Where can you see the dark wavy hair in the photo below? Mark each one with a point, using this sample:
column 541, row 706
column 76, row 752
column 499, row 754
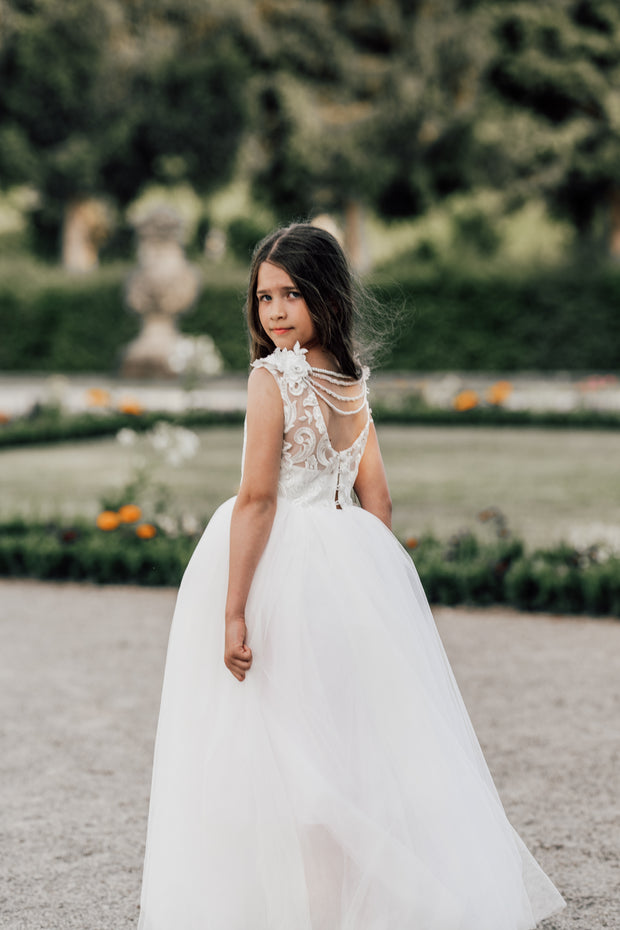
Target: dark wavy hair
column 316, row 264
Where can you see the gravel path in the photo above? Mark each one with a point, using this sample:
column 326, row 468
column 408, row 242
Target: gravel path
column 81, row 671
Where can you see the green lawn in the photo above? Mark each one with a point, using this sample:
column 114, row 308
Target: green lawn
column 548, row 483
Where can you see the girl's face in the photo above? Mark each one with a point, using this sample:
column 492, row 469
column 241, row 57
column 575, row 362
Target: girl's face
column 282, row 310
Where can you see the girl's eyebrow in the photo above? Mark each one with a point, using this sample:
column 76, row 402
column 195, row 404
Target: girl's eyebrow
column 268, row 290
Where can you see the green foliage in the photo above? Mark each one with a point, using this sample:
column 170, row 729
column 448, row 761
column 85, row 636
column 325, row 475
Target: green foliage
column 243, row 235
column 101, row 98
column 75, row 327
column 559, row 581
column 463, row 571
column 466, row 569
column 50, row 64
column 555, row 69
column 84, row 553
column 395, row 104
column 219, row 313
column 82, row 325
column 549, row 320
column 474, row 231
column 383, row 114
column 48, row 425
column 182, row 116
column 450, row 319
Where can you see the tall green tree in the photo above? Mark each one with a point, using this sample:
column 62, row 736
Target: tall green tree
column 101, row 97
column 365, row 102
column 553, row 118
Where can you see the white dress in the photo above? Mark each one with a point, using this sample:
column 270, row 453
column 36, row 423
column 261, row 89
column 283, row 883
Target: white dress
column 341, row 785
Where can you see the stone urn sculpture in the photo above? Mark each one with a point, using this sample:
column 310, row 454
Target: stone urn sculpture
column 163, row 286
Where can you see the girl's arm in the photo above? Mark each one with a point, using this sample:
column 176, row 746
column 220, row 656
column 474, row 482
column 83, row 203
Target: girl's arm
column 254, row 510
column 371, row 484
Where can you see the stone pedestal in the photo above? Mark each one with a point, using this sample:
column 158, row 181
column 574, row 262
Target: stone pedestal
column 164, row 285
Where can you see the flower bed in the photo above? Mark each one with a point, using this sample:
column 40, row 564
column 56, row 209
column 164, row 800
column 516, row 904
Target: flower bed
column 50, row 426
column 464, row 570
column 82, row 552
column 556, row 580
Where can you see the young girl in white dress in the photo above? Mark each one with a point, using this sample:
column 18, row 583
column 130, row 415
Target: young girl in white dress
column 315, row 767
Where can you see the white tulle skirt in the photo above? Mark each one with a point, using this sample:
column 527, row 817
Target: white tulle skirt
column 341, row 785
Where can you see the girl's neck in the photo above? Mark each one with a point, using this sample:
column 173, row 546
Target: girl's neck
column 318, row 357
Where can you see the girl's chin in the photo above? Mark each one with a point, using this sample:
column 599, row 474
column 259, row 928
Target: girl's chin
column 284, row 340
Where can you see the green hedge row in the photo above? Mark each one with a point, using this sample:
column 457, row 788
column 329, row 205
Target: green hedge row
column 446, row 319
column 83, row 325
column 463, row 571
column 84, row 553
column 560, row 319
column 556, row 580
column 49, row 427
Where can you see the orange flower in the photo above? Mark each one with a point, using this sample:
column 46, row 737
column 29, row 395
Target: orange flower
column 129, row 513
column 499, row 392
column 411, row 542
column 131, row 406
column 4, row 417
column 465, row 400
column 97, row 397
column 146, row 531
column 108, row 520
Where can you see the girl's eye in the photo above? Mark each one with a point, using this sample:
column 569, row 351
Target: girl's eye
column 264, row 297
column 294, row 294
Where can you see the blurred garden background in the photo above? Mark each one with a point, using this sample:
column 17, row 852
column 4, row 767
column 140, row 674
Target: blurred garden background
column 467, row 152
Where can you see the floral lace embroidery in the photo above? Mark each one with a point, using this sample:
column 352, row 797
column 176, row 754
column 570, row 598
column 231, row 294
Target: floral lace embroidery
column 311, row 470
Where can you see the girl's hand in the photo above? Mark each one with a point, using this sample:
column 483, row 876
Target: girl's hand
column 237, row 655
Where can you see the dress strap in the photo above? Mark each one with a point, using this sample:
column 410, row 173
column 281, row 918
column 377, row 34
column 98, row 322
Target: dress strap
column 317, row 377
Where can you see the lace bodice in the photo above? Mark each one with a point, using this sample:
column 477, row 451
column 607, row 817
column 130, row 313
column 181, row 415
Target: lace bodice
column 311, row 470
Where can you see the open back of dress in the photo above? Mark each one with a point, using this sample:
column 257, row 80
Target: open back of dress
column 326, row 422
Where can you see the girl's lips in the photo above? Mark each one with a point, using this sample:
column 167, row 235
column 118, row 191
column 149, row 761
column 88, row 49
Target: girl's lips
column 280, row 332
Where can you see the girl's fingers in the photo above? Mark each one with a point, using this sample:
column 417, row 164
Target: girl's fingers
column 242, row 655
column 239, row 660
column 238, row 671
column 238, row 665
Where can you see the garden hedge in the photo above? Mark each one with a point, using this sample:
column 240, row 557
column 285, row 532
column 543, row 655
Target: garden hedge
column 446, row 319
column 462, row 571
column 84, row 553
column 561, row 319
column 48, row 426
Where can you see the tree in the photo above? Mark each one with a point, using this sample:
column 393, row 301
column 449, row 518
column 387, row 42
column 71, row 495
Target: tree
column 555, row 80
column 99, row 97
column 50, row 66
column 363, row 102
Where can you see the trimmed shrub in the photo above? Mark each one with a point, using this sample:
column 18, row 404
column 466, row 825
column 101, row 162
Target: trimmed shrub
column 83, row 325
column 243, row 235
column 50, row 427
column 462, row 571
column 551, row 320
column 83, row 553
column 450, row 319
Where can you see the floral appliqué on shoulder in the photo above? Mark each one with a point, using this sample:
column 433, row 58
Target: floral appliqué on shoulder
column 292, row 364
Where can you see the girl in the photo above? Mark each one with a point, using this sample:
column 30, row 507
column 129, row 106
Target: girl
column 315, row 767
